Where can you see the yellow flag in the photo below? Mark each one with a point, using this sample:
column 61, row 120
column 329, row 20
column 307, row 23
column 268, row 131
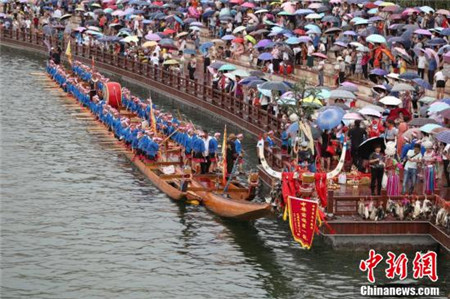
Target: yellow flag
column 69, row 53
column 224, row 156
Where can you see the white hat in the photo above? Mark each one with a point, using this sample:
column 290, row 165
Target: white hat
column 427, row 144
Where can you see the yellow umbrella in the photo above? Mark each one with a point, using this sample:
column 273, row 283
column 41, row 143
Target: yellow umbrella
column 131, row 38
column 386, row 4
column 250, row 39
column 171, row 62
column 313, row 100
column 149, row 44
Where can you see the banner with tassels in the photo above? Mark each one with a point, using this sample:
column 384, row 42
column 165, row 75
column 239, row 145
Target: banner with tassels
column 303, row 217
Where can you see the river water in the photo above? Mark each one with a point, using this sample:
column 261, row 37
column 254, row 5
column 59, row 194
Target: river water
column 78, row 221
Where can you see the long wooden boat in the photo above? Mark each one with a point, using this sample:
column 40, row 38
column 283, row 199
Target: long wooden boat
column 206, row 189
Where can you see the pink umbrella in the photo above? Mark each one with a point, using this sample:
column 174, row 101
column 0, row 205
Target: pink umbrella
column 410, row 11
column 118, row 13
column 288, row 7
column 153, row 37
column 403, row 53
column 320, row 55
column 335, row 1
column 447, row 57
column 422, row 32
column 248, row 5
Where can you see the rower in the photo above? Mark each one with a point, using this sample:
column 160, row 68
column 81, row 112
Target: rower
column 213, row 148
column 198, row 149
column 239, row 151
column 188, row 141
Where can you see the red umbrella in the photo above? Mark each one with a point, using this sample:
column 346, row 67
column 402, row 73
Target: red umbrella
column 238, row 40
column 248, row 5
column 300, row 31
column 169, row 31
column 320, row 55
column 370, row 5
column 236, row 1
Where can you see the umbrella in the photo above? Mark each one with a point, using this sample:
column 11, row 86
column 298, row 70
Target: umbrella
column 443, row 136
column 349, row 86
column 130, row 39
column 378, row 72
column 238, row 29
column 274, row 85
column 414, row 132
column 427, row 100
column 332, row 30
column 320, row 55
column 436, row 42
column 368, row 146
column 438, row 130
column 181, row 34
column 257, row 73
column 227, row 67
column 241, row 73
column 250, row 39
column 438, row 107
column 149, row 44
column 171, row 62
column 370, row 111
column 312, row 101
column 329, row 119
column 190, row 51
column 394, row 113
column 409, row 76
column 420, row 121
column 422, row 83
column 228, row 37
column 391, row 101
column 445, row 113
column 265, row 56
column 353, row 116
column 429, row 127
column 153, row 37
column 423, row 32
column 376, row 38
column 341, row 94
column 402, row 87
column 65, row 17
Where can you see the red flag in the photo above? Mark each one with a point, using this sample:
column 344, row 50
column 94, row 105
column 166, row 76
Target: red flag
column 93, row 64
column 303, row 215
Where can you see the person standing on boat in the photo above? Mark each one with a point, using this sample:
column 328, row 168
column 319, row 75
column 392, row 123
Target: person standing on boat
column 188, row 140
column 239, row 151
column 198, row 149
column 376, row 161
column 231, row 154
column 206, row 161
column 213, row 148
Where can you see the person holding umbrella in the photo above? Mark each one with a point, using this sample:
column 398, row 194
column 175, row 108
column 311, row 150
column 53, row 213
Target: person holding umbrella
column 376, row 162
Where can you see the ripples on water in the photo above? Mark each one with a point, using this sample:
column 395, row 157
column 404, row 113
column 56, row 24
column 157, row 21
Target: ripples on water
column 79, row 222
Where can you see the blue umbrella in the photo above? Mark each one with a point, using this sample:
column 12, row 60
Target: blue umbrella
column 189, row 51
column 422, row 83
column 205, row 46
column 379, row 72
column 445, row 31
column 329, row 119
column 265, row 56
column 436, row 42
column 409, row 76
column 228, row 37
column 443, row 136
column 274, row 85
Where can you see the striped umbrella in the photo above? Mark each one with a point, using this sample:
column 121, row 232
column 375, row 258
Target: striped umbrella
column 443, row 137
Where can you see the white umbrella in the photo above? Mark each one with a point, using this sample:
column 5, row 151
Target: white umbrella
column 390, row 100
column 341, row 94
column 370, row 111
column 402, row 87
column 239, row 29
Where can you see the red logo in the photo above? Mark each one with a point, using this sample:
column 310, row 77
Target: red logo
column 397, row 266
column 424, row 264
column 370, row 264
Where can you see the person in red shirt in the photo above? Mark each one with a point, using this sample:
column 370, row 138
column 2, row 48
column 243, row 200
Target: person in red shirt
column 376, row 128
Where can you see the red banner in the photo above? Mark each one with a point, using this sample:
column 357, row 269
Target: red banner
column 302, row 219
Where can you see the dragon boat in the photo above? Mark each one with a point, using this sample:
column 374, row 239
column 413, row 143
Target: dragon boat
column 167, row 172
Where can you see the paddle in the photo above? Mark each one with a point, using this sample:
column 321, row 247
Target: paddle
column 236, row 162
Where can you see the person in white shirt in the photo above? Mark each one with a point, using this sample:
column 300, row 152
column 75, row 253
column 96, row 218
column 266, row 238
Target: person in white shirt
column 413, row 157
column 155, row 59
column 310, row 58
column 440, row 80
column 421, row 64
